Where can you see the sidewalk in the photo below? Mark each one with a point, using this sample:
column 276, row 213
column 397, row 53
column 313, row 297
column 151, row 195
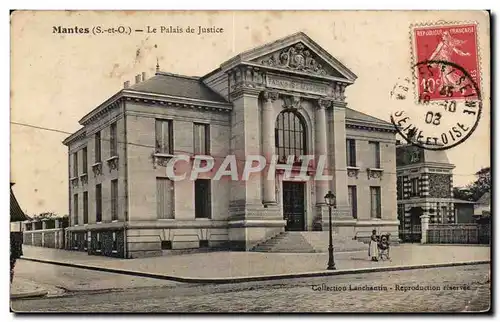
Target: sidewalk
column 246, row 266
column 23, row 288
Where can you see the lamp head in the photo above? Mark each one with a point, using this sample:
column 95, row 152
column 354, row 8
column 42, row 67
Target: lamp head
column 330, row 199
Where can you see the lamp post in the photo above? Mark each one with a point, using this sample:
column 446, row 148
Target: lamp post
column 331, row 201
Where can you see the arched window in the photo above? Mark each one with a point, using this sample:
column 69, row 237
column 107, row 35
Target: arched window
column 290, row 135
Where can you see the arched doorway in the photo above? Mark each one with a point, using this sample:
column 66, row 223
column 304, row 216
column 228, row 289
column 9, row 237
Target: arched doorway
column 290, row 140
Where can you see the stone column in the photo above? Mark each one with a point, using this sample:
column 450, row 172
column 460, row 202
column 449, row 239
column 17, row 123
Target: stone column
column 268, row 148
column 425, row 226
column 321, row 149
column 339, row 163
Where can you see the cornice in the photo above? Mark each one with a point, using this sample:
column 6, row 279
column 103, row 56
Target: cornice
column 350, row 124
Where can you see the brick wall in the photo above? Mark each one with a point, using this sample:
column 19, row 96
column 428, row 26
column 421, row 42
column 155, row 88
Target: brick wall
column 439, row 185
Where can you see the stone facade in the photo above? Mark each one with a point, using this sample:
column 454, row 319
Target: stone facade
column 239, row 103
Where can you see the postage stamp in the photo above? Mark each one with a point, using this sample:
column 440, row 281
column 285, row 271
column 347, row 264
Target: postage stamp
column 446, row 81
column 437, row 49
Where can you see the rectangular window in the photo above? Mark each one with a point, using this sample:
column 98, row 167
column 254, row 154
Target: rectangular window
column 351, row 152
column 85, row 207
column 112, row 141
column 375, row 152
column 399, row 188
column 114, row 248
column 114, row 199
column 164, row 137
column 98, row 242
column 75, row 208
column 165, row 198
column 84, row 160
column 75, row 164
column 444, row 214
column 414, row 187
column 201, row 139
column 353, row 200
column 98, row 147
column 202, row 196
column 98, row 203
column 376, row 209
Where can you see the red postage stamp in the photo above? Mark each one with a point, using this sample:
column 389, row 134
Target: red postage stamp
column 447, row 65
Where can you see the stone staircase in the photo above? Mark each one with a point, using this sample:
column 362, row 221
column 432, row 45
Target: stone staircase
column 308, row 242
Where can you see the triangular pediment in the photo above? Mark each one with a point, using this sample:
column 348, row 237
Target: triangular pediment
column 295, row 53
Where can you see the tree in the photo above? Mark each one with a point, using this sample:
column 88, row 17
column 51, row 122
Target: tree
column 474, row 191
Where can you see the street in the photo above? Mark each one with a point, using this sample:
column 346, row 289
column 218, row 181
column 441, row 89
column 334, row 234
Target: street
column 451, row 289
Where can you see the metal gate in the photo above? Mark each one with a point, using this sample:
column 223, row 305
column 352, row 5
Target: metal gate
column 293, row 205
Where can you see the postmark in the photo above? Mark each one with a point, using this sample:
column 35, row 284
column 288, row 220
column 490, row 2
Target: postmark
column 446, row 85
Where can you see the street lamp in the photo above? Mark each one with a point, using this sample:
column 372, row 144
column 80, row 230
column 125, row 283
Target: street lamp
column 331, row 201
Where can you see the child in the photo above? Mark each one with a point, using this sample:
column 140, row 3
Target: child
column 373, row 250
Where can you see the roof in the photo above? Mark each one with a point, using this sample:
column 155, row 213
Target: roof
column 16, row 214
column 485, row 199
column 354, row 115
column 178, row 85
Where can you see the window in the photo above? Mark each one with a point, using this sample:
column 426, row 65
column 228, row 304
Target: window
column 98, row 147
column 164, row 137
column 114, row 248
column 351, row 152
column 98, row 203
column 113, row 142
column 353, row 201
column 98, row 242
column 75, row 208
column 201, row 139
column 75, row 164
column 290, row 136
column 376, row 209
column 85, row 207
column 84, row 159
column 414, row 187
column 375, row 152
column 202, row 198
column 114, row 199
column 444, row 214
column 164, row 198
column 85, row 241
column 399, row 188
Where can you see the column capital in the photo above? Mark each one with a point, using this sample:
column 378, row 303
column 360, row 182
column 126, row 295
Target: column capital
column 324, row 103
column 269, row 96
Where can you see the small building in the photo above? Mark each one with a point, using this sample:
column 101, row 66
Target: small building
column 285, row 99
column 424, row 186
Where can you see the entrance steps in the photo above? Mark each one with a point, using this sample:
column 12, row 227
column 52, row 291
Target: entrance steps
column 308, row 242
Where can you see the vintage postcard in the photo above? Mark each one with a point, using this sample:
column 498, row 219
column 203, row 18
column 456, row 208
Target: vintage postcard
column 250, row 161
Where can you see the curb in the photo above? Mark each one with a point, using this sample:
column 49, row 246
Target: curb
column 230, row 280
column 14, row 296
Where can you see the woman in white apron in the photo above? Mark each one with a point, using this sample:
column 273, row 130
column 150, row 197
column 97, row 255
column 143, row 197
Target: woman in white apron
column 373, row 250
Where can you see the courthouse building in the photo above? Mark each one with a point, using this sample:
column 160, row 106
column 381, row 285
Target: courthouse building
column 284, row 98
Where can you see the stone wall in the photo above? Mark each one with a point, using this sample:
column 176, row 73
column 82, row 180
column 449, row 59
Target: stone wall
column 439, row 185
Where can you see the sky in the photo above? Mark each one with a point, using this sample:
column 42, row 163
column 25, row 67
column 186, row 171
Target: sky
column 58, row 78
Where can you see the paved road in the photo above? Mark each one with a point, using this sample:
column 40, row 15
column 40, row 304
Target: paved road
column 325, row 294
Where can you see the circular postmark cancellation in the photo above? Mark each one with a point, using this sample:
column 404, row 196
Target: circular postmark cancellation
column 448, row 107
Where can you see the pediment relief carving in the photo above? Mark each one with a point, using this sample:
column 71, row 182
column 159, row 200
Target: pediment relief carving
column 298, row 57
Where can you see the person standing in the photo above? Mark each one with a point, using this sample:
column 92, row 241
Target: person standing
column 373, row 250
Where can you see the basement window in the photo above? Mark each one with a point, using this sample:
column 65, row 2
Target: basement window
column 203, row 243
column 166, row 244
